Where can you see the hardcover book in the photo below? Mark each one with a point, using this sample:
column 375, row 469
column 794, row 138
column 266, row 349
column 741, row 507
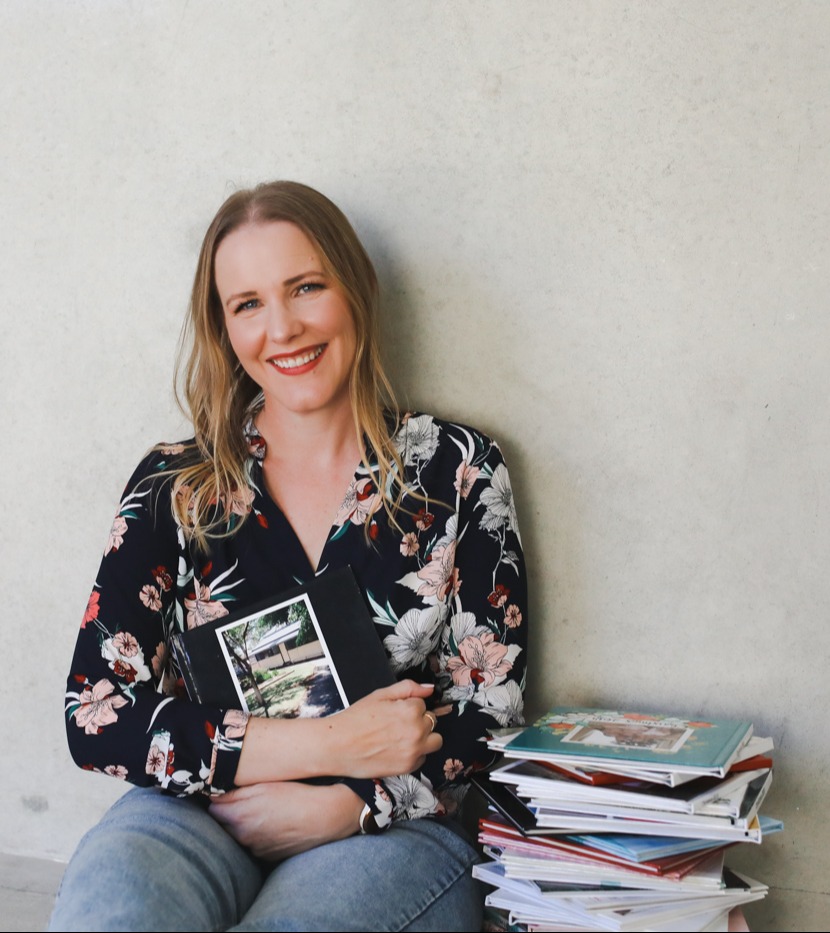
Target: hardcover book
column 310, row 651
column 604, row 738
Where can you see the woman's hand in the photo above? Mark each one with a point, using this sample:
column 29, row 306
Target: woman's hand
column 285, row 818
column 388, row 732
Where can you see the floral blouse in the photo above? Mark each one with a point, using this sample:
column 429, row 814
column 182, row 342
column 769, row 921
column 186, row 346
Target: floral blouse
column 447, row 593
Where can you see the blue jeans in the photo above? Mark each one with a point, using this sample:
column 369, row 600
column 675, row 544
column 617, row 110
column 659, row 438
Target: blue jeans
column 158, row 863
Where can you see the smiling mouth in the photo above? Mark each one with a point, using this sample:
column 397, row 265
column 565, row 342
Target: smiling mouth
column 299, row 360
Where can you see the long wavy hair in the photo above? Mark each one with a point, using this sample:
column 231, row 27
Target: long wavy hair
column 218, row 395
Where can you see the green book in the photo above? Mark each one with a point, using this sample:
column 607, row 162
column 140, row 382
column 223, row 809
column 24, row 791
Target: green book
column 606, row 739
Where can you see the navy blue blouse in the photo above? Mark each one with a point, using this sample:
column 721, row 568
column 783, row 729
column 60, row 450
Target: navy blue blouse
column 446, row 590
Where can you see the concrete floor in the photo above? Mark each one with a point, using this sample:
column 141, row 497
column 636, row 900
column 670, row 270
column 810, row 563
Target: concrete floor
column 27, row 891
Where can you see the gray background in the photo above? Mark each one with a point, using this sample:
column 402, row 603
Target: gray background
column 601, row 229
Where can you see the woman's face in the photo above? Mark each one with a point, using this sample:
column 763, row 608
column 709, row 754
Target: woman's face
column 288, row 321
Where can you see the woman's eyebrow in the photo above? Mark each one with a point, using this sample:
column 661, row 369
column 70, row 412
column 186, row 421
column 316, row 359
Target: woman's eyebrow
column 296, row 278
column 286, row 283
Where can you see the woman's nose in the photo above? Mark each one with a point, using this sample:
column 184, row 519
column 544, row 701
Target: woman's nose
column 283, row 324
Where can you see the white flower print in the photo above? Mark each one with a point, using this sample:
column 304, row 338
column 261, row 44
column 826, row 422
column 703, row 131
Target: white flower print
column 415, row 636
column 417, row 440
column 497, row 499
column 462, row 625
column 503, row 702
column 413, row 798
column 458, row 693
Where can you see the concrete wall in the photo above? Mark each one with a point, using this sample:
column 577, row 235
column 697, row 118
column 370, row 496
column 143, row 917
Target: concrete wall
column 601, row 229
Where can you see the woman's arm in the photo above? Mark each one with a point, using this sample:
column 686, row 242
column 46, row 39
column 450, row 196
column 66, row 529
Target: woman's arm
column 125, row 712
column 127, row 716
column 279, row 819
column 474, row 613
column 384, row 733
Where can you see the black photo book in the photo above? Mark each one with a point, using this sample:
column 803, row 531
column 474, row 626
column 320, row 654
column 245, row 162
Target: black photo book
column 309, row 651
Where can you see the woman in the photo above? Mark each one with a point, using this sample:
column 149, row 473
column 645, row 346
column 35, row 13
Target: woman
column 290, row 407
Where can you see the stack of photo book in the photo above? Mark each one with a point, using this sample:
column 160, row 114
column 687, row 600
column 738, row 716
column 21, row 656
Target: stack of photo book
column 607, row 820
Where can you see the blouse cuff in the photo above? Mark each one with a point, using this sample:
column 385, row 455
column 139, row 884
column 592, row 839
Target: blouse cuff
column 227, row 747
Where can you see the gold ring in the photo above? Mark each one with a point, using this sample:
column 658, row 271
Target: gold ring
column 433, row 720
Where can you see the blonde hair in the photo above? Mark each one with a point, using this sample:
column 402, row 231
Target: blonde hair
column 219, row 396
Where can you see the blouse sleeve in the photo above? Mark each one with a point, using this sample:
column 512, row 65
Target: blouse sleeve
column 125, row 712
column 472, row 579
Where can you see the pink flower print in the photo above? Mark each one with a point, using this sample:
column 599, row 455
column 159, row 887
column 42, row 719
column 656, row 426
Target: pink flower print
column 117, row 771
column 453, row 584
column 125, row 644
column 409, row 545
column 235, row 722
column 156, row 760
column 151, row 597
column 512, row 616
column 172, row 449
column 240, row 500
column 117, row 532
column 440, row 576
column 201, row 608
column 452, row 768
column 92, row 608
column 499, row 596
column 482, row 661
column 125, row 658
column 465, row 476
column 361, row 500
column 97, row 707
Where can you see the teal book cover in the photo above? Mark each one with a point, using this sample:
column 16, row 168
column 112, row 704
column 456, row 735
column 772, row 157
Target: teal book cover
column 605, row 737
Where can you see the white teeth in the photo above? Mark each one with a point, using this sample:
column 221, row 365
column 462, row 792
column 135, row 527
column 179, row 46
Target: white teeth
column 293, row 362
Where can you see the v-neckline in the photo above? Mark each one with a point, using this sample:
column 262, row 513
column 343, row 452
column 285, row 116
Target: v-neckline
column 292, row 532
column 257, row 447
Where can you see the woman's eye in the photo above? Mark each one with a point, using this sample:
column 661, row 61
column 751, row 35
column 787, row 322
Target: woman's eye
column 308, row 287
column 247, row 305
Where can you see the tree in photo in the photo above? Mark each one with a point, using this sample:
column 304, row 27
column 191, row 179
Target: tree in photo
column 298, row 612
column 242, row 639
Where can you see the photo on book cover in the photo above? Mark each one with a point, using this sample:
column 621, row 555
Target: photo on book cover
column 280, row 664
column 643, row 735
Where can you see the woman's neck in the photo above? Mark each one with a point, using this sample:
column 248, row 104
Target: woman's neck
column 319, row 437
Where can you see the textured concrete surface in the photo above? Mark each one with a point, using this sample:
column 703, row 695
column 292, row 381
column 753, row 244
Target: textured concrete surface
column 602, row 233
column 27, row 892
